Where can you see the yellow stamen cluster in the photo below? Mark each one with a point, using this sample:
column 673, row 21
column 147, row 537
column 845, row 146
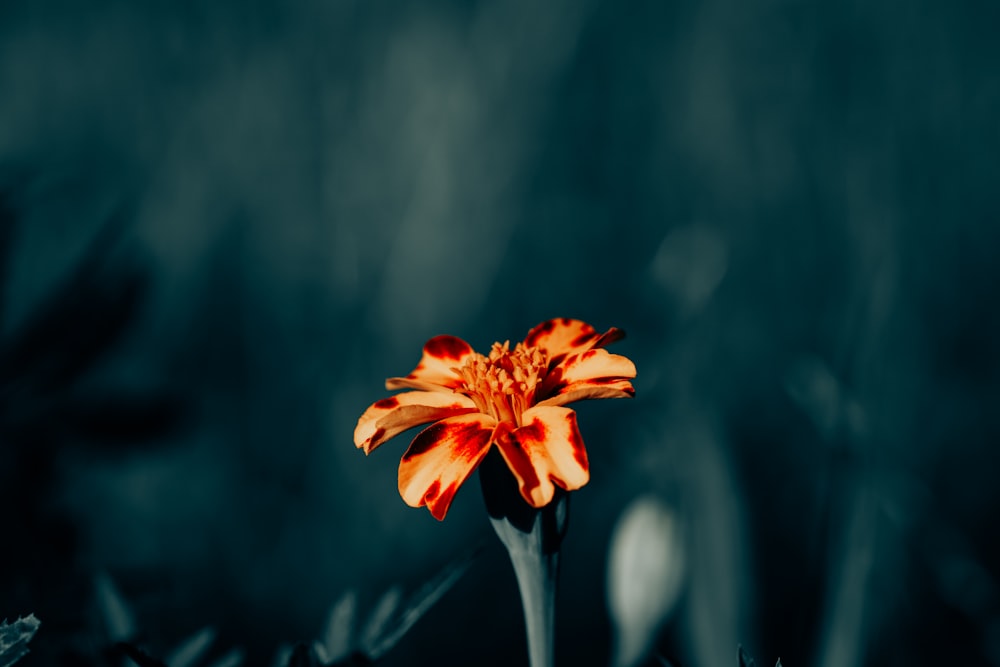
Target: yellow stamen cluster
column 503, row 384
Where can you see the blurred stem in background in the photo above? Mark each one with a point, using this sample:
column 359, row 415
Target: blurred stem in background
column 532, row 538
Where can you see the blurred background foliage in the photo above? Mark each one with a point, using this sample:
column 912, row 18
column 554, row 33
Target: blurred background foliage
column 224, row 224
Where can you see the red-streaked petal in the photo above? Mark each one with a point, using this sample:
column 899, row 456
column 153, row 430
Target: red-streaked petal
column 391, row 416
column 434, row 372
column 547, row 450
column 594, row 366
column 564, row 336
column 612, row 335
column 600, row 388
column 561, row 335
column 441, row 457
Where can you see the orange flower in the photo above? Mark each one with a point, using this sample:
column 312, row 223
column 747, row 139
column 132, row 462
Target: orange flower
column 512, row 399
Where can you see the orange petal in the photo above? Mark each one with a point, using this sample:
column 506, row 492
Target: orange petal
column 547, row 450
column 391, row 416
column 434, row 372
column 600, row 388
column 563, row 336
column 440, row 458
column 594, row 366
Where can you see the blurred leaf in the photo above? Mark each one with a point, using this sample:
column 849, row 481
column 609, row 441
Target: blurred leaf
column 72, row 331
column 420, row 602
column 321, row 654
column 339, row 624
column 138, row 656
column 745, row 659
column 846, row 630
column 716, row 577
column 379, row 619
column 189, row 652
column 663, row 661
column 233, row 658
column 14, row 638
column 78, row 322
column 119, row 620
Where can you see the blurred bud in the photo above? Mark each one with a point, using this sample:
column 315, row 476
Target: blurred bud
column 690, row 264
column 645, row 570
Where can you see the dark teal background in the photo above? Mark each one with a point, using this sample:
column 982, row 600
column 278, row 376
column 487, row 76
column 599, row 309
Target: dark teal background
column 791, row 207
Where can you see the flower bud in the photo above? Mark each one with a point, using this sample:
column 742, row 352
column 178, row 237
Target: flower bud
column 645, row 570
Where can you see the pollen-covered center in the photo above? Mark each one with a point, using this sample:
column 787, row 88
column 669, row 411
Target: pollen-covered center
column 503, row 384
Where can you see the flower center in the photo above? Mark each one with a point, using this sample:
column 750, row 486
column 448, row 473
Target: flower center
column 503, row 384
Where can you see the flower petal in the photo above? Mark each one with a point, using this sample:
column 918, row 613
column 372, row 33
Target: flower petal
column 547, row 449
column 595, row 366
column 563, row 336
column 391, row 416
column 441, row 457
column 599, row 388
column 434, row 372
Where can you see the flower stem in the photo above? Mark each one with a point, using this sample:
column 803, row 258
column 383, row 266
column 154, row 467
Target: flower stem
column 536, row 580
column 532, row 538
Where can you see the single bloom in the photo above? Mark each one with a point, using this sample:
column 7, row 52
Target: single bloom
column 513, row 399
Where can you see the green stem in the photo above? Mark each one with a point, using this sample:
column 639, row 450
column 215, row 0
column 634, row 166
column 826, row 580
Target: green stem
column 536, row 579
column 532, row 537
